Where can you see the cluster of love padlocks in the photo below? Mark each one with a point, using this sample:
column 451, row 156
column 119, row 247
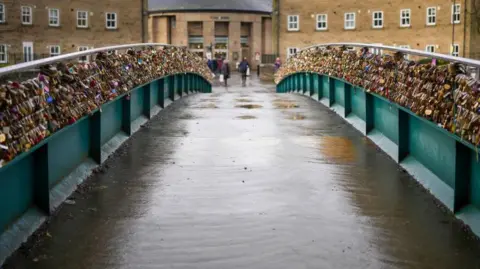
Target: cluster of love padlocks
column 63, row 93
column 444, row 94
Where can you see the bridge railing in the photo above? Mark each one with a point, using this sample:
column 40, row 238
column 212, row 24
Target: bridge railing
column 57, row 127
column 425, row 116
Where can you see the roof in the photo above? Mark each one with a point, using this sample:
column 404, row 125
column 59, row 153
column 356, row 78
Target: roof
column 256, row 6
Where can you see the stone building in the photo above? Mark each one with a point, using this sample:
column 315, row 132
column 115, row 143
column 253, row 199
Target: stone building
column 223, row 28
column 31, row 29
column 429, row 25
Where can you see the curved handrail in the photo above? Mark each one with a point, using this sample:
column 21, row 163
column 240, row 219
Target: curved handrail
column 466, row 61
column 73, row 55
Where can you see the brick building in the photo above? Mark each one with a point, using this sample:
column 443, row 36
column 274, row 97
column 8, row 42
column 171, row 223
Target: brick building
column 429, row 25
column 31, row 29
column 220, row 28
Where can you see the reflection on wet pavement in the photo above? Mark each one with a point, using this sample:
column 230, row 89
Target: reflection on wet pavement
column 199, row 188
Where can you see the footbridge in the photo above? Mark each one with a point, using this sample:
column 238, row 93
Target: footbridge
column 137, row 157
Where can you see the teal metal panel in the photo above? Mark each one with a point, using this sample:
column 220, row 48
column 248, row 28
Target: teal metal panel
column 16, row 190
column 326, row 87
column 166, row 88
column 68, row 150
column 315, row 82
column 154, row 94
column 357, row 97
column 385, row 118
column 136, row 99
column 111, row 120
column 339, row 92
column 475, row 179
column 433, row 149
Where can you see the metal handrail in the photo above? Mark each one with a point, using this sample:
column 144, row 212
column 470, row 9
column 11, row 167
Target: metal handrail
column 449, row 58
column 73, row 55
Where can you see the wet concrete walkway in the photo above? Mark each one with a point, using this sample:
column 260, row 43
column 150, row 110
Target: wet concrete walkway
column 210, row 183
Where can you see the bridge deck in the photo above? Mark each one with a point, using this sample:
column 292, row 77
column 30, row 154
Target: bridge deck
column 209, row 184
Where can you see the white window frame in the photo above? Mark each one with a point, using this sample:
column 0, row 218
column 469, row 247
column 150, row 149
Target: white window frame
column 114, row 21
column 455, row 52
column 456, row 12
column 28, row 14
column 3, row 13
column 346, row 21
column 28, row 57
column 377, row 19
column 54, row 50
column 4, row 54
column 53, row 17
column 409, row 17
column 434, row 16
column 375, row 50
column 82, row 19
column 289, row 51
column 405, row 56
column 84, row 59
column 322, row 18
column 430, row 48
column 297, row 22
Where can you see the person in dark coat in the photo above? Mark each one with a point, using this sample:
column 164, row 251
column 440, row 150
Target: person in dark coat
column 243, row 67
column 225, row 71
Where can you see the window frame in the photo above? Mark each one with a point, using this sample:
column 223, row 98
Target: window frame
column 5, row 53
column 291, row 54
column 405, row 56
column 345, row 21
column 376, row 19
column 86, row 19
column 453, row 14
column 4, row 13
column 318, row 22
column 453, row 49
column 30, row 16
column 31, row 55
column 409, row 18
column 53, row 54
column 293, row 29
column 50, row 17
column 429, row 15
column 87, row 58
column 110, row 20
column 430, row 46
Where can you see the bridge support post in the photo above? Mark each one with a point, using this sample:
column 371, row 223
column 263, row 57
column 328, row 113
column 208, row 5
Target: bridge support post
column 320, row 87
column 161, row 92
column 312, row 84
column 41, row 186
column 171, row 88
column 463, row 160
column 305, row 80
column 147, row 98
column 96, row 137
column 186, row 83
column 403, row 135
column 369, row 115
column 126, row 116
column 331, row 92
column 348, row 99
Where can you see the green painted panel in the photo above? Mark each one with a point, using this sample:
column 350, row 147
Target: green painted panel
column 137, row 103
column 315, row 83
column 68, row 150
column 433, row 149
column 16, row 190
column 475, row 180
column 385, row 118
column 326, row 87
column 111, row 120
column 154, row 93
column 339, row 92
column 358, row 103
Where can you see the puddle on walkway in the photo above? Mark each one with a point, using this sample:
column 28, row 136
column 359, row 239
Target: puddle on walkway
column 209, row 100
column 249, row 106
column 244, row 100
column 210, row 105
column 285, row 104
column 187, row 116
column 246, row 117
column 296, row 116
column 338, row 149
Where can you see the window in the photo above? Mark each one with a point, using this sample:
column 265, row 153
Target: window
column 456, row 13
column 293, row 23
column 376, row 50
column 2, row 13
column 111, row 20
column 3, row 54
column 291, row 51
column 26, row 15
column 455, row 50
column 221, row 47
column 377, row 19
column 430, row 48
column 405, row 56
column 322, row 22
column 349, row 21
column 431, row 16
column 405, row 18
column 53, row 17
column 195, row 44
column 83, row 58
column 54, row 50
column 82, row 19
column 27, row 51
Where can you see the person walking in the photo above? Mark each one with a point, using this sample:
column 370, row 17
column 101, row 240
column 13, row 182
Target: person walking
column 225, row 71
column 243, row 67
column 278, row 63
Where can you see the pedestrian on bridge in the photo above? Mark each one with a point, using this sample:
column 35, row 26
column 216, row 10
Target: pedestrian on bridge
column 243, row 68
column 226, row 71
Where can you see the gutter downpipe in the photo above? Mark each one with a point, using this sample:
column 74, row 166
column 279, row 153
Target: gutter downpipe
column 278, row 28
column 465, row 29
